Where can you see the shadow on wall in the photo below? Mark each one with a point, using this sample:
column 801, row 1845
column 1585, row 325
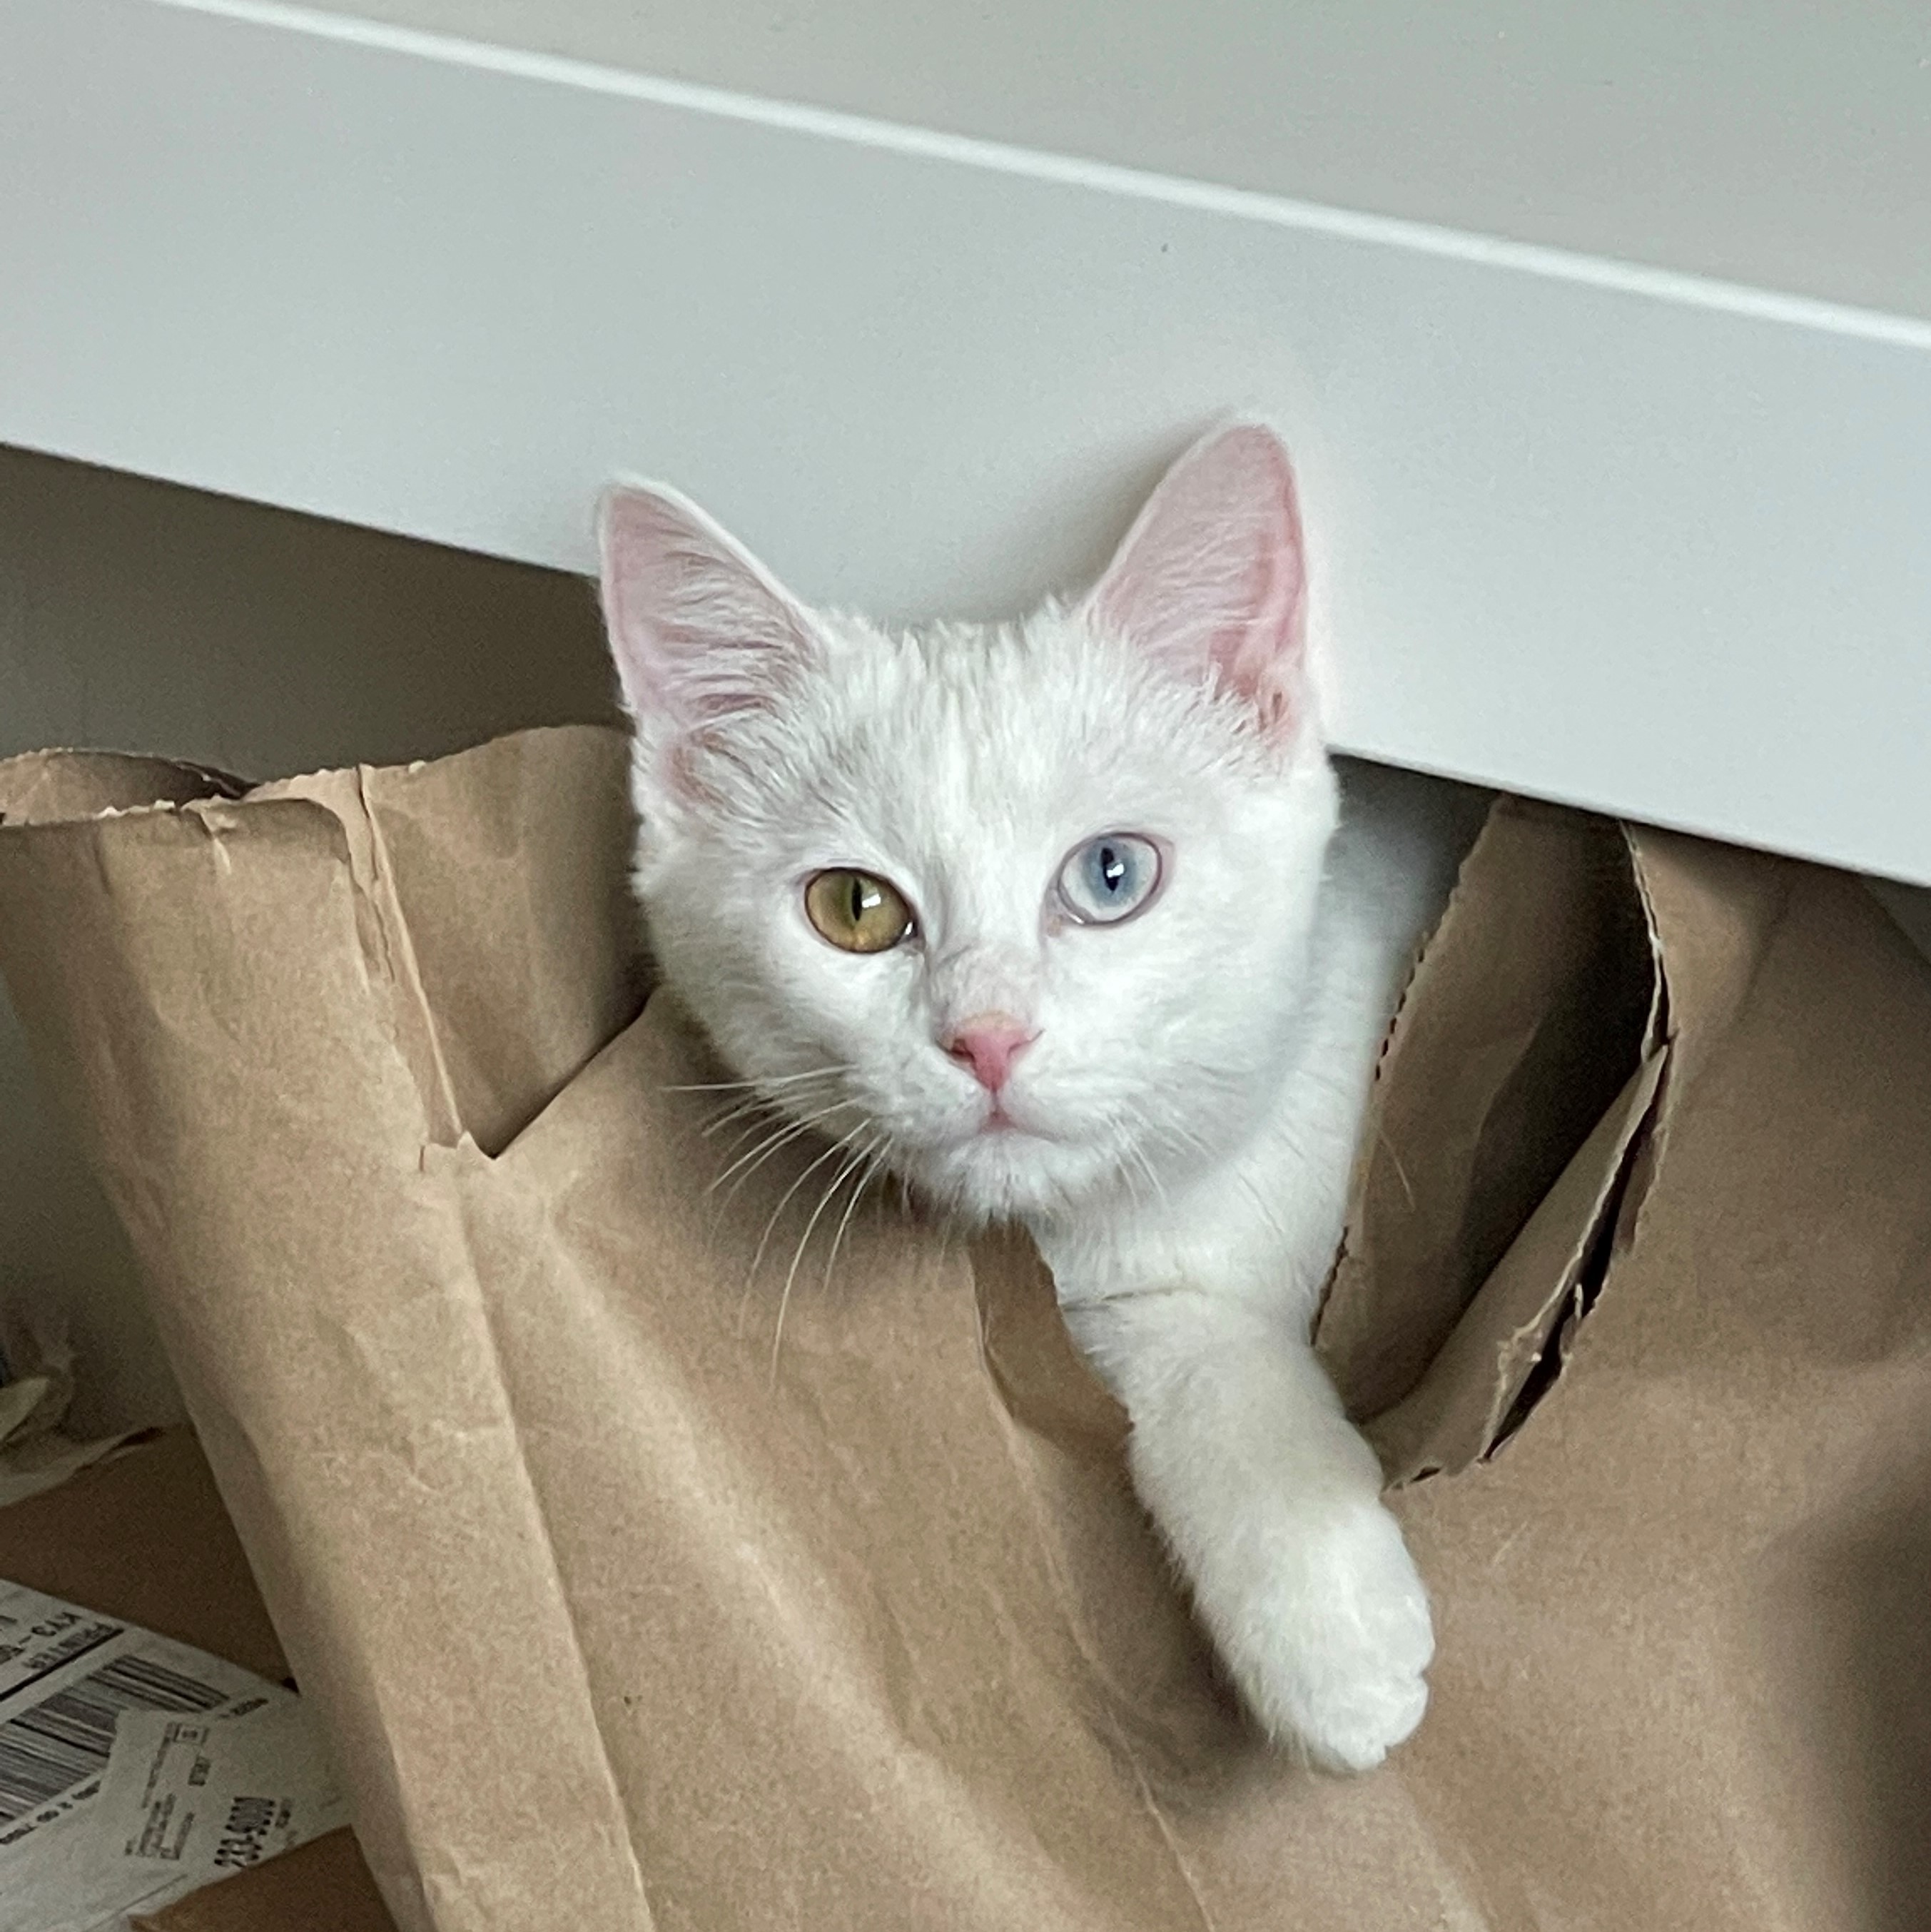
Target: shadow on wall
column 137, row 616
column 1910, row 907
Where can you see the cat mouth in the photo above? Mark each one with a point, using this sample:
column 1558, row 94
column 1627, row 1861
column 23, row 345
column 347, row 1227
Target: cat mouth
column 998, row 1124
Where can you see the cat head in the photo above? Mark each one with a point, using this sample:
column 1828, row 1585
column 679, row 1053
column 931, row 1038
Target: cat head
column 1019, row 911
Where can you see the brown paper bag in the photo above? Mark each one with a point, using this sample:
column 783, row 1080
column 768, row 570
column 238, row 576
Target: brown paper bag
column 623, row 1615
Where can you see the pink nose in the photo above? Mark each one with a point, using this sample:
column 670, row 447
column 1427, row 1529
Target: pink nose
column 988, row 1044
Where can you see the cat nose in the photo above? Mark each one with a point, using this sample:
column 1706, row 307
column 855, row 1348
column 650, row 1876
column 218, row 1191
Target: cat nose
column 988, row 1044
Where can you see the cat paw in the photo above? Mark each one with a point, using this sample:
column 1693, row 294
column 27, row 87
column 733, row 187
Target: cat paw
column 1330, row 1651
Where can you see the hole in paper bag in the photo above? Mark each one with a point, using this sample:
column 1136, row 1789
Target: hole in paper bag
column 1518, row 1077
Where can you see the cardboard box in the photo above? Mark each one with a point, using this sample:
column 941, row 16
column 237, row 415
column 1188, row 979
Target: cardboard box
column 616, row 1627
column 144, row 1537
column 322, row 1886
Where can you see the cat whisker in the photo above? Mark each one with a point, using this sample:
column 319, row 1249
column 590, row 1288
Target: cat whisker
column 804, row 1241
column 764, row 1114
column 1401, row 1172
column 757, row 1106
column 780, row 1132
column 838, row 1146
column 762, row 1085
column 1152, row 1173
column 788, row 1130
column 757, row 1112
column 1180, row 1137
column 755, row 1122
column 874, row 1160
column 1132, row 1131
column 738, row 1185
column 777, row 1214
column 757, row 1103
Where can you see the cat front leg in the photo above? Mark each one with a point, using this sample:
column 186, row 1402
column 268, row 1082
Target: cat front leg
column 1271, row 1500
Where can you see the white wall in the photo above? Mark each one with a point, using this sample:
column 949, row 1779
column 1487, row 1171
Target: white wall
column 1770, row 142
column 135, row 615
column 1581, row 528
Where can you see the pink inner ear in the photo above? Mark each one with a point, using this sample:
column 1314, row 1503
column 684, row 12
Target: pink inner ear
column 1212, row 577
column 697, row 626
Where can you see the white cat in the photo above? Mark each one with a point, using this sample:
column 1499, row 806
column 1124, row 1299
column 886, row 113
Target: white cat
column 1051, row 918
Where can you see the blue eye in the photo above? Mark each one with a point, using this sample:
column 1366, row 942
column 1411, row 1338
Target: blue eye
column 1109, row 877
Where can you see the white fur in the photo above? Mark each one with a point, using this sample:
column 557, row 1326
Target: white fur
column 1184, row 1123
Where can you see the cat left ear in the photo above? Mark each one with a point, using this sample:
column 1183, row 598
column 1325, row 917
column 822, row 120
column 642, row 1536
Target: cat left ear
column 699, row 628
column 1212, row 578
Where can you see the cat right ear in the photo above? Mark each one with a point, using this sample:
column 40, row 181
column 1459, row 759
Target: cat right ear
column 699, row 628
column 1212, row 578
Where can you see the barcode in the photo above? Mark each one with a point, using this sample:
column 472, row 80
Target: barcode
column 59, row 1743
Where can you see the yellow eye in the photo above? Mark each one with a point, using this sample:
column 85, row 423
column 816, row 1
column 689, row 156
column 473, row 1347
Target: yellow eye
column 857, row 911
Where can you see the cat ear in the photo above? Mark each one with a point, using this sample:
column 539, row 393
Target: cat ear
column 1212, row 577
column 699, row 628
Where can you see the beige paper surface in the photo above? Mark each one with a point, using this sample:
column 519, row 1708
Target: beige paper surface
column 615, row 1627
